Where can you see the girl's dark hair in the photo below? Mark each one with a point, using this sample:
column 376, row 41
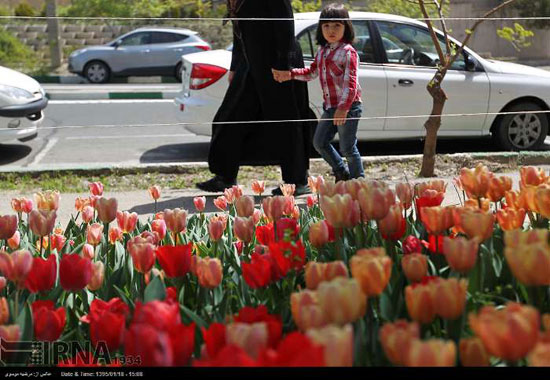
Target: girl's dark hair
column 328, row 14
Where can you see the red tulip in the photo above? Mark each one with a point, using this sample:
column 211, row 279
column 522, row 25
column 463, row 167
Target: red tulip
column 175, row 260
column 296, row 350
column 152, row 346
column 412, row 244
column 107, row 326
column 42, row 276
column 163, row 316
column 214, row 338
column 154, row 192
column 229, row 356
column 158, row 226
column 8, row 226
column 96, row 188
column 182, row 339
column 257, row 273
column 200, row 203
column 75, row 272
column 258, row 187
column 48, row 322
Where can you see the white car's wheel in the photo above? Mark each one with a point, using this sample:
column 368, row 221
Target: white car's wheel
column 522, row 131
column 97, row 72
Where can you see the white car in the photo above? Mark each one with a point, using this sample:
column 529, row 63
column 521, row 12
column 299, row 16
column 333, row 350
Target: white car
column 22, row 101
column 398, row 60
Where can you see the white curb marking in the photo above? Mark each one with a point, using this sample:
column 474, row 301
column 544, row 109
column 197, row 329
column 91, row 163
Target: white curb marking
column 44, row 151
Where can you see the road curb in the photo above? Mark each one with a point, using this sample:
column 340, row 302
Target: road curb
column 75, row 79
column 99, row 95
column 508, row 159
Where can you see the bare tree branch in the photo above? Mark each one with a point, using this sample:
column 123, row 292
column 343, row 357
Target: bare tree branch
column 435, row 40
column 444, row 26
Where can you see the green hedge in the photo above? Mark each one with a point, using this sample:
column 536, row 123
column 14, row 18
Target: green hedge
column 18, row 56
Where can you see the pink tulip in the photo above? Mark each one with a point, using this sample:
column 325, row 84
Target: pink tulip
column 42, row 221
column 200, row 203
column 221, row 203
column 176, row 220
column 216, row 226
column 106, row 209
column 87, row 214
column 8, row 226
column 14, row 241
column 98, row 274
column 57, row 242
column 96, row 188
column 245, row 206
column 244, row 229
column 88, row 251
column 94, row 233
column 16, row 266
column 142, row 251
column 22, row 205
column 158, row 226
column 126, row 221
column 274, row 207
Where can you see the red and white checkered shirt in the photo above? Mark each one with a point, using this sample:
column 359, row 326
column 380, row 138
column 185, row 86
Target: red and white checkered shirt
column 336, row 65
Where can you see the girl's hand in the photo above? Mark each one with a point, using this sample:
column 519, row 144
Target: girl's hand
column 231, row 76
column 340, row 117
column 281, row 76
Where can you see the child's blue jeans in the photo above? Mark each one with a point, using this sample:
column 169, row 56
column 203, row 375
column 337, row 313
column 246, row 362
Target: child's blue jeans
column 347, row 133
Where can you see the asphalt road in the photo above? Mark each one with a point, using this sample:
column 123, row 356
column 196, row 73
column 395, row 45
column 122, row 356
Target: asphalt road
column 112, row 132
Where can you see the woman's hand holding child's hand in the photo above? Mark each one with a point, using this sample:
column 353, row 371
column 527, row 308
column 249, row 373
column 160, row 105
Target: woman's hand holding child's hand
column 340, row 117
column 281, row 76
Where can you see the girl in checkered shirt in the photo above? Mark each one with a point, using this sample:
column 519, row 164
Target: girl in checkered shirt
column 336, row 65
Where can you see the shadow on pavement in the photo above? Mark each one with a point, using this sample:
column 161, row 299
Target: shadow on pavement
column 191, row 152
column 10, row 153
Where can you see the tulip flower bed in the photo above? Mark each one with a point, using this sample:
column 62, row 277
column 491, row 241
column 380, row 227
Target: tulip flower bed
column 364, row 276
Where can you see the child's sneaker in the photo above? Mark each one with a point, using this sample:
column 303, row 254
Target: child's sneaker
column 342, row 175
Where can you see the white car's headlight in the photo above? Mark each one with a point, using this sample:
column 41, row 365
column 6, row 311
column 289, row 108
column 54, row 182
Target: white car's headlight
column 16, row 92
column 77, row 52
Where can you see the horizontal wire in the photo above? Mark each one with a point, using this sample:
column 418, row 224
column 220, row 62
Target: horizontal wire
column 263, row 18
column 288, row 120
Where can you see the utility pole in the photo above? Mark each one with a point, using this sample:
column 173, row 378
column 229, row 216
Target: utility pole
column 56, row 54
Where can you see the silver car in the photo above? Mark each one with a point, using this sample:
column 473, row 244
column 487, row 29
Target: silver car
column 142, row 52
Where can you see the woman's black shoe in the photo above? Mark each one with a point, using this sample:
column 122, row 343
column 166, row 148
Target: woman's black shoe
column 216, row 184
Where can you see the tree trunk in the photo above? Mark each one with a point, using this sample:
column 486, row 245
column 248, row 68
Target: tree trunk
column 432, row 127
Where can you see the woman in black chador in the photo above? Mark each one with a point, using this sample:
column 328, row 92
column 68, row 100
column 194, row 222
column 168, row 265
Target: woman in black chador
column 261, row 48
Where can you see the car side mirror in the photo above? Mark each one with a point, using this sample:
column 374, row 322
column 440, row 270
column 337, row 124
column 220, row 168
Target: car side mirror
column 117, row 44
column 471, row 64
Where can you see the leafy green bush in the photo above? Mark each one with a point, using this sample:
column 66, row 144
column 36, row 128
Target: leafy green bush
column 402, row 8
column 5, row 11
column 16, row 55
column 25, row 10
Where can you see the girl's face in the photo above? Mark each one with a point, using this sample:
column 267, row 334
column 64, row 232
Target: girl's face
column 333, row 31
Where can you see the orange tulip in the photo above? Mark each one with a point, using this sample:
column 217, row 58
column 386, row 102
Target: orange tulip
column 405, row 192
column 431, row 353
column 375, row 199
column 315, row 183
column 498, row 186
column 10, row 333
column 315, row 272
column 393, row 226
column 450, row 297
column 245, row 206
column 115, row 234
column 461, row 253
column 396, row 339
column 420, row 301
column 98, row 274
column 42, row 222
column 546, row 322
column 340, row 210
column 318, row 234
column 338, row 344
column 16, row 265
column 330, row 189
column 251, row 337
column 48, row 200
column 510, row 219
column 528, row 195
column 473, row 353
column 94, row 232
column 531, row 176
column 126, row 221
column 258, row 187
column 530, row 263
column 233, row 193
column 436, row 185
column 514, row 199
column 518, row 238
column 542, row 200
column 475, row 182
column 216, row 227
column 14, row 241
column 476, row 223
column 341, row 300
column 306, row 311
column 372, row 269
column 106, row 209
column 221, row 203
column 415, row 266
column 508, row 333
column 4, row 311
column 437, row 219
column 154, row 192
column 176, row 220
column 244, row 229
column 81, row 202
column 540, row 355
column 209, row 272
column 274, row 207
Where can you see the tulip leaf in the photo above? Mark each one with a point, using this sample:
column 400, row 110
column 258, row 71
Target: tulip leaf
column 155, row 290
column 119, row 254
column 123, row 296
column 193, row 317
column 25, row 323
column 55, row 294
column 386, row 308
column 497, row 265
